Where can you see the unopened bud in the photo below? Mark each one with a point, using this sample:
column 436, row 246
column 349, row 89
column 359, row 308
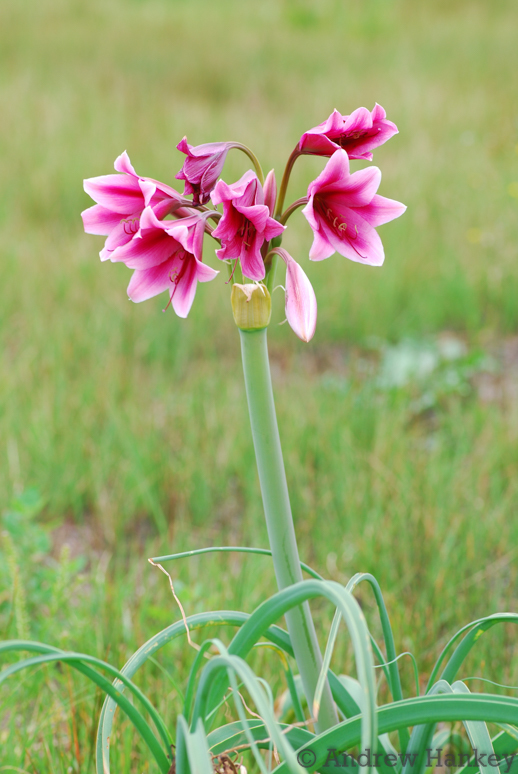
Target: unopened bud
column 251, row 306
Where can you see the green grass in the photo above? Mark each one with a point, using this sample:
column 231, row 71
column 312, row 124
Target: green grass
column 133, row 425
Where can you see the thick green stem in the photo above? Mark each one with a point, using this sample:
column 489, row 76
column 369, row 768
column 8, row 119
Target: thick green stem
column 279, row 520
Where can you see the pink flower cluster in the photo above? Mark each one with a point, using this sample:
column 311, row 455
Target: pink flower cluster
column 159, row 233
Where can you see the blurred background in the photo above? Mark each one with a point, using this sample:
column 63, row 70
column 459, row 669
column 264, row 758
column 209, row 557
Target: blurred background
column 124, row 432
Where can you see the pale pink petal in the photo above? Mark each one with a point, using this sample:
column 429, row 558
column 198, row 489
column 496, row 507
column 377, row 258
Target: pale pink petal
column 119, row 236
column 301, row 302
column 119, row 193
column 151, row 246
column 188, row 232
column 205, row 149
column 309, row 214
column 184, row 146
column 270, row 192
column 256, row 214
column 228, row 224
column 252, row 260
column 362, row 245
column 185, row 290
column 356, row 191
column 146, row 251
column 166, row 206
column 150, row 282
column 317, row 144
column 273, row 229
column 124, row 165
column 163, row 191
column 335, row 172
column 317, row 140
column 149, row 220
column 99, row 220
column 148, row 191
column 321, row 247
column 378, row 113
column 205, row 273
column 381, row 210
column 360, row 120
column 224, row 192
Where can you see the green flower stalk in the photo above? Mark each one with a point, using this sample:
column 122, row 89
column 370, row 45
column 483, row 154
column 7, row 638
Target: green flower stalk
column 274, row 488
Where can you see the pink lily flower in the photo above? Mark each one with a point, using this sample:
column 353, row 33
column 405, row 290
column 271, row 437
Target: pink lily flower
column 343, row 210
column 202, row 167
column 120, row 201
column 301, row 302
column 246, row 223
column 166, row 255
column 358, row 133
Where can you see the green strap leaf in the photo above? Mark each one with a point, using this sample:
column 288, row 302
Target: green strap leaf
column 421, row 710
column 475, row 630
column 75, row 660
column 229, row 549
column 275, row 634
column 393, row 679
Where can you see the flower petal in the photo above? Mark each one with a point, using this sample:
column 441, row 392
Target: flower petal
column 185, row 290
column 335, row 172
column 357, row 190
column 151, row 246
column 251, row 259
column 205, row 273
column 119, row 193
column 124, row 165
column 382, row 210
column 301, row 302
column 360, row 242
column 225, row 192
column 120, row 235
column 150, row 282
column 321, row 247
column 270, row 191
column 99, row 220
column 273, row 229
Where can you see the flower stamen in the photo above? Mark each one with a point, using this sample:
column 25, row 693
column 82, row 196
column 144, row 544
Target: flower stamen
column 132, row 224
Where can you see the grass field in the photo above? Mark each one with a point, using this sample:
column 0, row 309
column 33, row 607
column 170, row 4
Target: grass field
column 399, row 420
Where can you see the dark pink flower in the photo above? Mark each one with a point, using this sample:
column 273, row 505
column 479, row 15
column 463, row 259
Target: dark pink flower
column 120, row 202
column 202, row 167
column 358, row 134
column 343, row 210
column 246, row 224
column 166, row 255
column 301, row 302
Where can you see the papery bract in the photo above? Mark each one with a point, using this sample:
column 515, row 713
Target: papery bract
column 358, row 133
column 120, row 201
column 301, row 302
column 343, row 211
column 166, row 255
column 202, row 167
column 246, row 223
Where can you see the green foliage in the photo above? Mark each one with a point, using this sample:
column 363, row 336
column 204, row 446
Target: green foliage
column 363, row 731
column 39, row 582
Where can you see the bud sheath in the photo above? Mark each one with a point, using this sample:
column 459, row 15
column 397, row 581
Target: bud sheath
column 251, row 306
